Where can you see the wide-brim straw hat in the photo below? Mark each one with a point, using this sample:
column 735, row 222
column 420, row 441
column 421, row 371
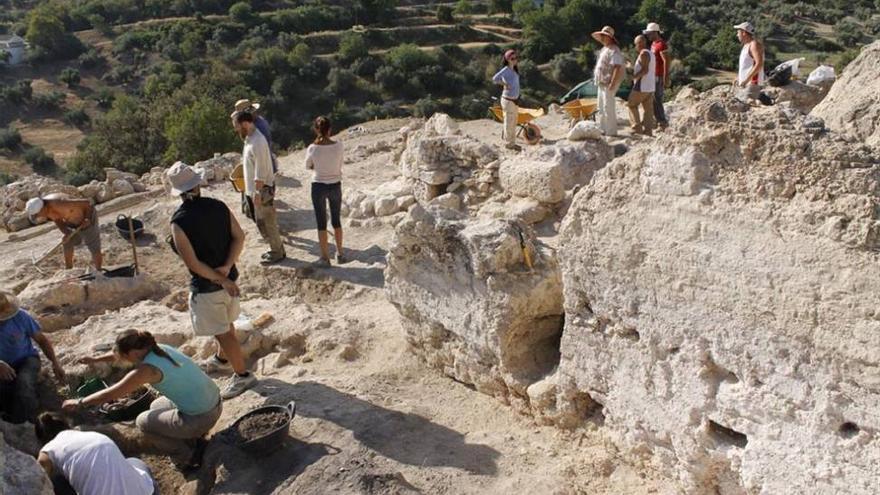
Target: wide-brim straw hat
column 652, row 27
column 606, row 31
column 8, row 305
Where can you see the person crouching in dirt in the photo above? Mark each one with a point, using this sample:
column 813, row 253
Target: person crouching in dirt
column 190, row 404
column 19, row 361
column 508, row 78
column 77, row 219
column 325, row 157
column 88, row 462
column 209, row 240
column 259, row 185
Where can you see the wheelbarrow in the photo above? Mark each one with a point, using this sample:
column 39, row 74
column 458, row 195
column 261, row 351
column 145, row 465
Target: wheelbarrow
column 530, row 132
column 581, row 108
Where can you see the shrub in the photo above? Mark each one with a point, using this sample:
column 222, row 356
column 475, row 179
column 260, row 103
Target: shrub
column 7, row 178
column 366, row 66
column 77, row 117
column 43, row 163
column 17, row 93
column 565, row 69
column 408, row 58
column 70, row 77
column 444, row 14
column 10, row 138
column 91, row 59
column 50, row 101
column 242, row 12
column 848, row 32
column 425, row 107
column 104, row 98
column 464, row 7
column 340, row 81
column 389, row 79
column 352, row 46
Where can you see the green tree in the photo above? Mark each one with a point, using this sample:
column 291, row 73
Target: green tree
column 501, row 6
column 352, row 46
column 444, row 14
column 464, row 8
column 70, row 77
column 242, row 12
column 43, row 163
column 373, row 10
column 198, row 131
column 546, row 35
column 45, row 30
column 848, row 32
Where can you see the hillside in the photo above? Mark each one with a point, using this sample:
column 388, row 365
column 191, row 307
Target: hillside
column 113, row 83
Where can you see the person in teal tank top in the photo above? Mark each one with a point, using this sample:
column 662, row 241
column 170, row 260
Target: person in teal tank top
column 190, row 404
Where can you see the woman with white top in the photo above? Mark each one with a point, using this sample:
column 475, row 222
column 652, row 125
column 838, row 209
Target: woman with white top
column 508, row 77
column 325, row 157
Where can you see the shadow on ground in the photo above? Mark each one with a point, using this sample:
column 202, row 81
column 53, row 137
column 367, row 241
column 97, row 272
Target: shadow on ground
column 404, row 437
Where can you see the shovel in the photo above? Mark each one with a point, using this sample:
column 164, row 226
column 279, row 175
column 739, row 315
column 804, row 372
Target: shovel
column 36, row 261
column 133, row 247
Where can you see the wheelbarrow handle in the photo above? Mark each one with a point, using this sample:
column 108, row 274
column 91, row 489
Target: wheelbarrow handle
column 121, row 217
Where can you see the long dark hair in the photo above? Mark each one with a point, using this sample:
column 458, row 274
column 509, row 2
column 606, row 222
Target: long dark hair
column 321, row 128
column 131, row 340
column 504, row 64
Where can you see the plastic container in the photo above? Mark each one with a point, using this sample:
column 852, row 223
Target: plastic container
column 272, row 440
column 90, row 386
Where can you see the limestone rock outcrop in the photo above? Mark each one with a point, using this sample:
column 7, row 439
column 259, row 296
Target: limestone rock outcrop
column 719, row 288
column 20, row 473
column 471, row 305
column 853, row 104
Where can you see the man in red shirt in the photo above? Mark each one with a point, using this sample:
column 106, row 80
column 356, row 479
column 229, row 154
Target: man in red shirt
column 659, row 47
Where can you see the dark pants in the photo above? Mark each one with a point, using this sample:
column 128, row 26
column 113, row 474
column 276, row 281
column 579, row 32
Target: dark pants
column 321, row 195
column 659, row 111
column 18, row 398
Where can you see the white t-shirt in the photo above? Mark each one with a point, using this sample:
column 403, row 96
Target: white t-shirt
column 327, row 160
column 257, row 161
column 94, row 465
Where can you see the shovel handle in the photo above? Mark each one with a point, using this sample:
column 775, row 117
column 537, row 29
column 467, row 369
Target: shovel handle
column 133, row 248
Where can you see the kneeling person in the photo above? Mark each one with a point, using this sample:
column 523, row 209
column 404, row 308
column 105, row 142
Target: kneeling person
column 77, row 219
column 89, row 461
column 209, row 240
column 190, row 404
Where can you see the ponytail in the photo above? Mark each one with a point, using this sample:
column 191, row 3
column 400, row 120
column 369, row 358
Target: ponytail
column 131, row 340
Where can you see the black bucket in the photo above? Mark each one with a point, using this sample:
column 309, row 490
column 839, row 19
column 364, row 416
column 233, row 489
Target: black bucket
column 272, row 440
column 122, row 227
column 129, row 411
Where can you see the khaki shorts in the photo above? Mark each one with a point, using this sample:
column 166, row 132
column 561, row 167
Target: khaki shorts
column 91, row 236
column 212, row 312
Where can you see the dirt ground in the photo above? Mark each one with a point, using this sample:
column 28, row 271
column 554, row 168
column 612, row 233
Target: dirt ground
column 371, row 418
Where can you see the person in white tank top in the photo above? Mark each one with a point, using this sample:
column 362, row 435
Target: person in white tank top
column 750, row 74
column 644, row 84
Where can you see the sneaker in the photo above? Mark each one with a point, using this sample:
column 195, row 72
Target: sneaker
column 270, row 258
column 237, row 385
column 341, row 259
column 322, row 263
column 214, row 365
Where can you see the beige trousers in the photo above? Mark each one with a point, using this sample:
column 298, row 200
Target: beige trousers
column 639, row 123
column 267, row 222
column 511, row 111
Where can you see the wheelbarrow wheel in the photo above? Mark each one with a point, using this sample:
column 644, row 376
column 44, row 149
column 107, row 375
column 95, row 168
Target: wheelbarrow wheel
column 531, row 133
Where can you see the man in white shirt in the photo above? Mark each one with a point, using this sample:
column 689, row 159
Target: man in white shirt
column 89, row 461
column 259, row 184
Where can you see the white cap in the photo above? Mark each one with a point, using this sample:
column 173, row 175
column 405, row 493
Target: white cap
column 183, row 178
column 653, row 27
column 745, row 26
column 34, row 206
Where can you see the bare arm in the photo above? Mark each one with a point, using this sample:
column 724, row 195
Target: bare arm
column 142, row 375
column 46, row 463
column 104, row 358
column 616, row 76
column 756, row 49
column 49, row 351
column 644, row 62
column 235, row 248
column 188, row 255
column 665, row 65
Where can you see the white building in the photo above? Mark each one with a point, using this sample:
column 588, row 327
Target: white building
column 15, row 46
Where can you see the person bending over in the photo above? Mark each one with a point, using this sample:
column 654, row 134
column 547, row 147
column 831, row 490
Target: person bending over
column 77, row 219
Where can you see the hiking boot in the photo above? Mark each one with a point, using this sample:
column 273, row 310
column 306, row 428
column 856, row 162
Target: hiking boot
column 214, row 365
column 270, row 258
column 237, row 385
column 341, row 259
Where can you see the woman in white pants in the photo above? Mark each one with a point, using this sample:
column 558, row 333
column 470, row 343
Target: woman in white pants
column 608, row 76
column 508, row 77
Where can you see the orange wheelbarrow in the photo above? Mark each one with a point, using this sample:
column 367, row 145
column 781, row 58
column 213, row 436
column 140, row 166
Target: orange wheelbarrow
column 581, row 108
column 530, row 132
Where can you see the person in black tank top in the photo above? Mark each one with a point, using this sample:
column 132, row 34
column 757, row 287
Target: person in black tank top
column 209, row 240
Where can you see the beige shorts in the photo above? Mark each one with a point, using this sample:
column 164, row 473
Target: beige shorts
column 212, row 312
column 91, row 235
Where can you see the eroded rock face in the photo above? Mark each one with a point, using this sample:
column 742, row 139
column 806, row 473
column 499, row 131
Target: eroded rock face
column 20, row 473
column 853, row 104
column 720, row 304
column 470, row 304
